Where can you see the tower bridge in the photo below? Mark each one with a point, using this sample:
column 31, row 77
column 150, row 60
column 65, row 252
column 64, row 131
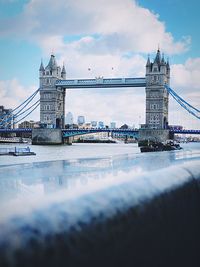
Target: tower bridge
column 54, row 84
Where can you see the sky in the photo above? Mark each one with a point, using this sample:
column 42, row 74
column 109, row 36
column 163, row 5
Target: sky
column 112, row 38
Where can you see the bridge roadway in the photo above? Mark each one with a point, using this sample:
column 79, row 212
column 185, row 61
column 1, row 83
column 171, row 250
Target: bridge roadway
column 100, row 82
column 73, row 132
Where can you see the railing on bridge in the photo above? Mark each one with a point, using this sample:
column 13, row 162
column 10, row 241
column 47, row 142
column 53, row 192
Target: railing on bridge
column 101, row 82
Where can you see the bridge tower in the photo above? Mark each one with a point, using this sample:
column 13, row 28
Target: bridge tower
column 157, row 97
column 52, row 98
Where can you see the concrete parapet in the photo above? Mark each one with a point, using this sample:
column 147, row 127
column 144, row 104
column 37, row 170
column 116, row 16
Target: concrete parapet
column 47, row 136
column 159, row 135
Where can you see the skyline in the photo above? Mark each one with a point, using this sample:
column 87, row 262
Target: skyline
column 93, row 40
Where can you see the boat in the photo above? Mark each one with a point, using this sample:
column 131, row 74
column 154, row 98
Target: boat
column 16, row 151
column 152, row 146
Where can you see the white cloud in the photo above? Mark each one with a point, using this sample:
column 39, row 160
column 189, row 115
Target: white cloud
column 187, row 76
column 118, row 25
column 107, row 37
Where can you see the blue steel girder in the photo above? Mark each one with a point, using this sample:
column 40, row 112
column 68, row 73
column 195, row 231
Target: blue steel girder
column 185, row 131
column 75, row 132
column 17, row 130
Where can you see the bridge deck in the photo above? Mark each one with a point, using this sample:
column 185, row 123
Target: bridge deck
column 102, row 83
column 78, row 131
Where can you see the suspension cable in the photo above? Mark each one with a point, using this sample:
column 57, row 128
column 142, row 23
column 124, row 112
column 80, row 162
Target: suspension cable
column 27, row 114
column 172, row 92
column 28, row 99
column 183, row 103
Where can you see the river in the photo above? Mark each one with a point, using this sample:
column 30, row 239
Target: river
column 57, row 171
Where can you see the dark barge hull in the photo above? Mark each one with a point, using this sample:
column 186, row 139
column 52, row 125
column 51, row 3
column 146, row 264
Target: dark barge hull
column 158, row 149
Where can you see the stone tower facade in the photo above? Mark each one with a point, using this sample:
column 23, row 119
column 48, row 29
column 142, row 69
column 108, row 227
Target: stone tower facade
column 52, row 98
column 157, row 97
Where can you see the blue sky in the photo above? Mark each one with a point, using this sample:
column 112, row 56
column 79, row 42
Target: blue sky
column 113, row 38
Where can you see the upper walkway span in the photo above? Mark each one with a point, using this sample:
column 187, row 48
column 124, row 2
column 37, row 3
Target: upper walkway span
column 101, row 83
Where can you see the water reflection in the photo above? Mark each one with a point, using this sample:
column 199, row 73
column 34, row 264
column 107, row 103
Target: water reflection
column 43, row 178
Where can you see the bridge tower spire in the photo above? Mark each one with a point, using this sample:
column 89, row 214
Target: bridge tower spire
column 157, row 97
column 52, row 98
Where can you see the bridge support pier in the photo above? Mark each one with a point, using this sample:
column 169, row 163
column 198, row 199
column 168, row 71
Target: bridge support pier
column 68, row 140
column 47, row 136
column 158, row 135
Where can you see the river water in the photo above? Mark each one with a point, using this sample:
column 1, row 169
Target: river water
column 70, row 171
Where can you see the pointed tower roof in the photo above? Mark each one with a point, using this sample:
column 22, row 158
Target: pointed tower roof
column 148, row 62
column 41, row 66
column 168, row 67
column 63, row 70
column 163, row 60
column 158, row 57
column 52, row 65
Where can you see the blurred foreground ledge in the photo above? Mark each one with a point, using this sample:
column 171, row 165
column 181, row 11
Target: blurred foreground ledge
column 151, row 220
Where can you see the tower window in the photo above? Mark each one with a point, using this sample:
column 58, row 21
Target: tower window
column 48, row 81
column 154, row 106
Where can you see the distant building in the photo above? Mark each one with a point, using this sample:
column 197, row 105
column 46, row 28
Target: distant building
column 113, row 125
column 101, row 124
column 124, row 126
column 93, row 124
column 28, row 124
column 71, row 126
column 6, row 118
column 81, row 120
column 69, row 118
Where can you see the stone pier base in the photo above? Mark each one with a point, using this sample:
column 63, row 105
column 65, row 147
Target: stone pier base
column 158, row 135
column 47, row 137
column 68, row 140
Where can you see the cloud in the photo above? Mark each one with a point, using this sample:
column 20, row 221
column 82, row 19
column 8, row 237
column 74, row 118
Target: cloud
column 187, row 76
column 12, row 94
column 100, row 38
column 115, row 25
column 119, row 105
column 185, row 81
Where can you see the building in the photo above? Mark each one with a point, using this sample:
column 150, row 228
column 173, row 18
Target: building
column 124, row 126
column 157, row 96
column 101, row 124
column 52, row 99
column 69, row 118
column 28, row 124
column 113, row 125
column 81, row 120
column 93, row 124
column 6, row 118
